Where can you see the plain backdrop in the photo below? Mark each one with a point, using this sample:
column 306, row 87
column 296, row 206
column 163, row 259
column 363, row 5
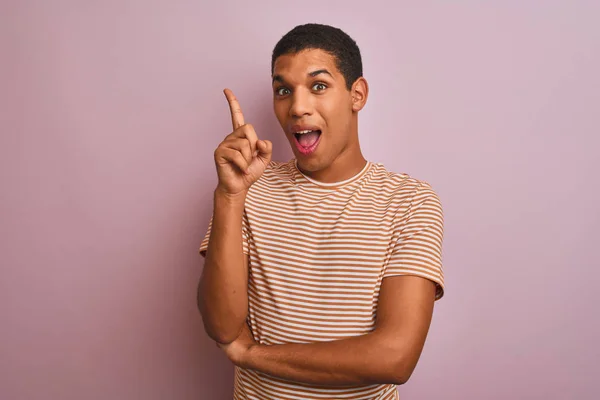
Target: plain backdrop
column 109, row 115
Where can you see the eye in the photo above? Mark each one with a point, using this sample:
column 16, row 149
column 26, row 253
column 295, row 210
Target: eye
column 319, row 87
column 282, row 91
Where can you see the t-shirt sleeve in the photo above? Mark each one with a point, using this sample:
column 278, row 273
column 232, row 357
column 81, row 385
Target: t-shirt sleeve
column 245, row 230
column 418, row 249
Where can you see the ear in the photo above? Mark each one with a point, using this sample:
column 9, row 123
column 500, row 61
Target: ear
column 359, row 92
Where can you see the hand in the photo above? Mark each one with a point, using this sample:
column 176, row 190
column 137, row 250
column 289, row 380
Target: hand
column 241, row 158
column 238, row 351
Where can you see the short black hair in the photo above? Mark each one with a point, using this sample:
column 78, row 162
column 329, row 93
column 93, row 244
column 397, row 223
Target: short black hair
column 327, row 38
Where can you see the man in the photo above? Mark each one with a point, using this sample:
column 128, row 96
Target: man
column 320, row 273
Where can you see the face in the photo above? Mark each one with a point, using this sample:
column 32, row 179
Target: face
column 315, row 109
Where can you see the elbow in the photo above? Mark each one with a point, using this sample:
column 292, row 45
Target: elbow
column 402, row 370
column 399, row 378
column 223, row 333
column 223, row 337
column 223, row 329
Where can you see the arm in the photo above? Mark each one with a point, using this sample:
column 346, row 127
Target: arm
column 222, row 292
column 389, row 354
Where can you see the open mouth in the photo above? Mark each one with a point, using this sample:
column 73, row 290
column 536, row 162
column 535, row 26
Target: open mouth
column 307, row 141
column 308, row 138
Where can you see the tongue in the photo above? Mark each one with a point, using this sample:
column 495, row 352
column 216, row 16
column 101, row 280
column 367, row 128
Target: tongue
column 309, row 139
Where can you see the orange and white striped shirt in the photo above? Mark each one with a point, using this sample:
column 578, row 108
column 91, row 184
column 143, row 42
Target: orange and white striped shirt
column 318, row 254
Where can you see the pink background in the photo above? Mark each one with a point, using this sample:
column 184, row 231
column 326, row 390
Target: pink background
column 110, row 113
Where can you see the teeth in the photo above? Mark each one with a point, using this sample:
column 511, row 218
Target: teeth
column 303, row 132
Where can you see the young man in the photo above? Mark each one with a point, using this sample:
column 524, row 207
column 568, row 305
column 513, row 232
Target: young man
column 320, row 273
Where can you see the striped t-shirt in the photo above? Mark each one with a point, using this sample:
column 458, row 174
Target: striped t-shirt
column 318, row 254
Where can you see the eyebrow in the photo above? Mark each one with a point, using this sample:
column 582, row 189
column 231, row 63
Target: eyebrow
column 279, row 78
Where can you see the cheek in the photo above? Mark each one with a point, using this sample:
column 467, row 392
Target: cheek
column 279, row 111
column 336, row 110
column 282, row 114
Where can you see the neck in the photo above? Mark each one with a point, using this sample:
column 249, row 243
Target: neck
column 343, row 167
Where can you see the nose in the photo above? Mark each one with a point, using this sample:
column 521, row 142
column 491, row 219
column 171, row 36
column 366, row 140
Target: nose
column 301, row 104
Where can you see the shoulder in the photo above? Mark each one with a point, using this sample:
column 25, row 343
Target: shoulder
column 402, row 186
column 278, row 171
column 277, row 175
column 280, row 168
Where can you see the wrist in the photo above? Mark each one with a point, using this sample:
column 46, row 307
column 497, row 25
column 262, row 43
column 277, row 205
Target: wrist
column 248, row 359
column 236, row 199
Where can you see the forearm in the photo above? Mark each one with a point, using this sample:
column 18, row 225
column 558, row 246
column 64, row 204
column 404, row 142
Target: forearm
column 222, row 292
column 361, row 360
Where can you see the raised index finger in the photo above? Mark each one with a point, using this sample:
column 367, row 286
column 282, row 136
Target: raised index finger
column 237, row 118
